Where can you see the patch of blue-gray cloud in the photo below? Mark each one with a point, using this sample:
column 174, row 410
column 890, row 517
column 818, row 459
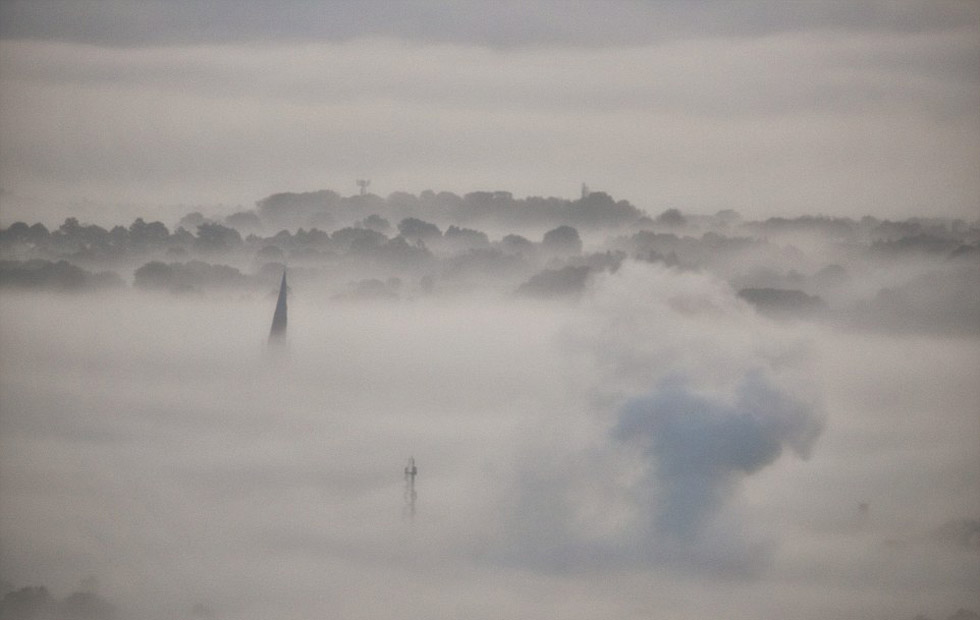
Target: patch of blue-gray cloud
column 698, row 447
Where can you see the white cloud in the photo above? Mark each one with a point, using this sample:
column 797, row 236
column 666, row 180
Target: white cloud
column 146, row 442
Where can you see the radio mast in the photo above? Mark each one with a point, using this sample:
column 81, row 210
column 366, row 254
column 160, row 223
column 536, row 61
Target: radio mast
column 410, row 494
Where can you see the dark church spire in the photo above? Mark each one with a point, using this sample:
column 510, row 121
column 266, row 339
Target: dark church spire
column 278, row 331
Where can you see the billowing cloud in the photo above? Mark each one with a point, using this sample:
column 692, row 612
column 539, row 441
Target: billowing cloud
column 698, row 449
column 145, row 441
column 655, row 480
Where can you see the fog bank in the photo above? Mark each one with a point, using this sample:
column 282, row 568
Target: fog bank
column 654, row 448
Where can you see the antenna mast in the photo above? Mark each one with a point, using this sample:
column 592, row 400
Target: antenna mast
column 410, row 494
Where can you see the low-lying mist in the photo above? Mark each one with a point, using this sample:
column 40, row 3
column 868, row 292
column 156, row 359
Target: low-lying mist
column 653, row 447
column 587, row 310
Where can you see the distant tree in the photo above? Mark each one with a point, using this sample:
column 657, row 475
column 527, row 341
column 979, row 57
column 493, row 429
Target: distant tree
column 154, row 275
column 182, row 238
column 70, row 226
column 647, row 241
column 16, row 232
column 466, row 238
column 187, row 277
column 448, row 199
column 672, row 218
column 19, row 232
column 566, row 281
column 919, row 243
column 192, row 220
column 400, row 252
column 402, row 200
column 357, row 239
column 598, row 209
column 119, row 235
column 516, row 244
column 296, row 208
column 244, row 221
column 478, row 199
column 144, row 235
column 86, row 606
column 213, row 238
column 35, row 603
column 39, row 233
column 27, row 604
column 562, row 240
column 728, row 216
column 414, row 229
column 782, row 302
column 965, row 251
column 376, row 223
column 605, row 261
column 58, row 276
column 311, row 237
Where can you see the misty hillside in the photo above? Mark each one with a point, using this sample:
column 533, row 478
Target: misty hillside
column 600, row 400
column 917, row 274
column 587, row 310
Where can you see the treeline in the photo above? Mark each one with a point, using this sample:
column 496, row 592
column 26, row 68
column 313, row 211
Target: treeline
column 37, row 603
column 809, row 266
column 92, row 243
column 498, row 210
column 54, row 275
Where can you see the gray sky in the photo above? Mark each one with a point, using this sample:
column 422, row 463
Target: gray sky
column 767, row 108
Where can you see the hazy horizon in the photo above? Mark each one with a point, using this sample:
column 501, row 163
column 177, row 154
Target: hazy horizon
column 768, row 109
column 737, row 378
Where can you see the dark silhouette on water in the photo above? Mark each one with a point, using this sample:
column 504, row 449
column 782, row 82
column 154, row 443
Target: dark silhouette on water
column 278, row 331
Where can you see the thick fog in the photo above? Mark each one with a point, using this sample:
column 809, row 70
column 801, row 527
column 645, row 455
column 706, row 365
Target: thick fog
column 679, row 417
column 674, row 305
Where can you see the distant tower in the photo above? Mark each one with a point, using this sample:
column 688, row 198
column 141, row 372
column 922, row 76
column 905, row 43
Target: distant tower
column 410, row 494
column 585, row 191
column 278, row 331
column 363, row 184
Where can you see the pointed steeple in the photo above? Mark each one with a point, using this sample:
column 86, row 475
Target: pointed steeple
column 279, row 318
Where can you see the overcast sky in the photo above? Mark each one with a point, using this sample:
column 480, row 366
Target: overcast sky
column 769, row 108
